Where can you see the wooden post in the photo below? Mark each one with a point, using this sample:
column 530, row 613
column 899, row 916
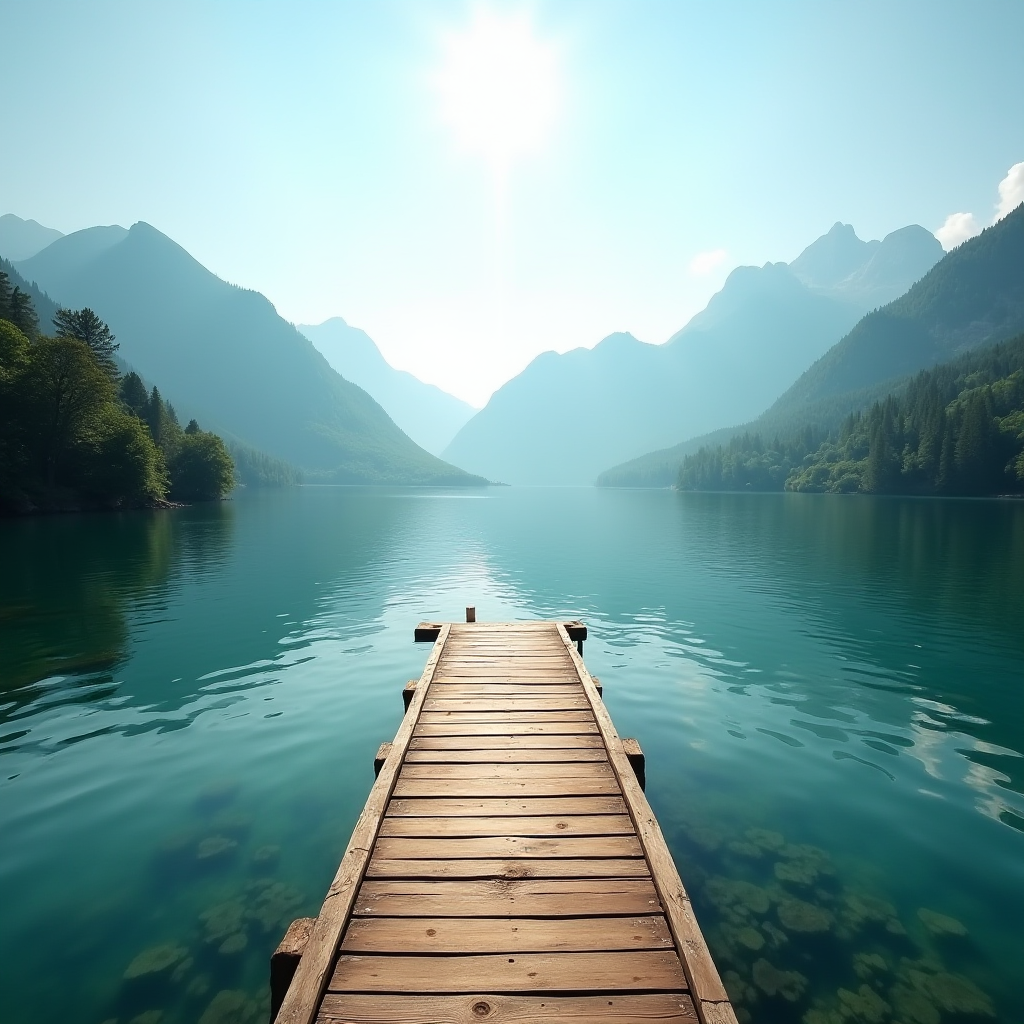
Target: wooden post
column 470, row 614
column 637, row 760
column 408, row 693
column 382, row 755
column 600, row 688
column 286, row 959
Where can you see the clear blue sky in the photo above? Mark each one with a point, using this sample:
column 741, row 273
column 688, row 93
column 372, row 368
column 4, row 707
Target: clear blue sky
column 305, row 150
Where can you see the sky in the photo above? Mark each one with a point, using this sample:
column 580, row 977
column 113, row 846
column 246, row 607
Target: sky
column 476, row 183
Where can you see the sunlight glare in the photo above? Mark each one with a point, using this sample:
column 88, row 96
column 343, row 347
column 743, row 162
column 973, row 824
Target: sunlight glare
column 498, row 88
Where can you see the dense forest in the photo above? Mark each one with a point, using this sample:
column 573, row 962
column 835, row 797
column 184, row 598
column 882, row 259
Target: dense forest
column 76, row 433
column 957, row 429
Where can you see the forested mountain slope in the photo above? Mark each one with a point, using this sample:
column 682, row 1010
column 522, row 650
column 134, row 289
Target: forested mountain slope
column 225, row 351
column 567, row 417
column 973, row 296
column 430, row 416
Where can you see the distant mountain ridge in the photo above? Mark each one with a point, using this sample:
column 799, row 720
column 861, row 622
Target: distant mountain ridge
column 430, row 416
column 225, row 354
column 20, row 239
column 567, row 417
column 973, row 296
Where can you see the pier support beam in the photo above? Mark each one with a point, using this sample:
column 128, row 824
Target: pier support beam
column 285, row 960
column 382, row 755
column 408, row 692
column 637, row 761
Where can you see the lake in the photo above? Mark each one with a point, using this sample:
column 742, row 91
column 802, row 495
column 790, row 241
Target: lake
column 829, row 691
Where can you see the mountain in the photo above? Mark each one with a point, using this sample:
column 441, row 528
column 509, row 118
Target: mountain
column 973, row 296
column 225, row 355
column 20, row 239
column 430, row 416
column 567, row 417
column 44, row 306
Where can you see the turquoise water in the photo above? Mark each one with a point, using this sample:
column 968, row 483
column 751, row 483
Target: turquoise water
column 829, row 691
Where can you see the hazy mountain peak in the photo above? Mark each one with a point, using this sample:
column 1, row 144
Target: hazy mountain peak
column 832, row 257
column 20, row 239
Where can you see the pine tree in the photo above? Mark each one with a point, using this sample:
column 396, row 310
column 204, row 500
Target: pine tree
column 86, row 326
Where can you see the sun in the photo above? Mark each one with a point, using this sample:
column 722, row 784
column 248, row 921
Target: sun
column 498, row 88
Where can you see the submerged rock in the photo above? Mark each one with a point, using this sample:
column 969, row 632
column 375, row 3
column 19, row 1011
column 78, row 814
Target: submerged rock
column 266, row 856
column 744, row 897
column 954, row 993
column 867, row 965
column 155, row 960
column 796, row 872
column 745, row 849
column 230, row 1007
column 181, row 971
column 770, row 980
column 232, row 823
column 766, row 839
column 233, row 944
column 751, row 938
column 216, row 848
column 864, row 1005
column 913, row 1006
column 861, row 909
column 199, row 985
column 273, row 904
column 216, row 795
column 148, row 1017
column 800, row 916
column 940, row 924
column 223, row 920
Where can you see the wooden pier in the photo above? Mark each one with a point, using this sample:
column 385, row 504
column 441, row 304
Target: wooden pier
column 506, row 866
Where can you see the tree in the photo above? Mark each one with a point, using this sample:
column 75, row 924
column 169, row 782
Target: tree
column 202, row 469
column 65, row 390
column 22, row 313
column 86, row 326
column 119, row 462
column 133, row 394
column 976, row 449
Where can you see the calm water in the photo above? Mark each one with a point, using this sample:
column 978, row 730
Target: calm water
column 829, row 690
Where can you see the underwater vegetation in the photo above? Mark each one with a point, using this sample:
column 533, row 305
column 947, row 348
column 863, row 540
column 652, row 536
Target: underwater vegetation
column 777, row 915
column 199, row 973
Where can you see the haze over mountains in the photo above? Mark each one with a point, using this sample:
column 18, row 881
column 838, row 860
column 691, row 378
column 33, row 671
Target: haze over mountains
column 430, row 416
column 223, row 354
column 973, row 296
column 567, row 417
column 20, row 239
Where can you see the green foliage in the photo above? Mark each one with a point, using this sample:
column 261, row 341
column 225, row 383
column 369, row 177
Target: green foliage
column 956, row 429
column 86, row 326
column 73, row 432
column 202, row 468
column 256, row 469
column 16, row 307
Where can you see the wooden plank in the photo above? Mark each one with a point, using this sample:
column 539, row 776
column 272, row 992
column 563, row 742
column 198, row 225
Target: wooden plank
column 516, row 897
column 514, row 755
column 527, row 742
column 529, row 806
column 501, row 770
column 516, row 718
column 405, row 787
column 477, row 847
column 549, row 825
column 515, row 704
column 556, row 728
column 659, row 1008
column 511, row 868
column 303, row 996
column 643, row 970
column 481, row 689
column 702, row 975
column 505, row 935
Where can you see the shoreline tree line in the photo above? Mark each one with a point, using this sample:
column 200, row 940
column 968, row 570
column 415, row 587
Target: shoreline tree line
column 955, row 430
column 75, row 433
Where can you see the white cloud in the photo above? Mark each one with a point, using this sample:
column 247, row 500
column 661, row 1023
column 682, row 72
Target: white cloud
column 705, row 262
column 957, row 228
column 1011, row 191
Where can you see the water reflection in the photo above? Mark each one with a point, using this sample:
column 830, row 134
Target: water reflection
column 828, row 690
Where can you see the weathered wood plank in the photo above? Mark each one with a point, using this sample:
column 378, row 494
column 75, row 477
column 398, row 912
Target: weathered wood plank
column 552, row 825
column 659, row 1008
column 515, row 770
column 529, row 897
column 407, row 787
column 513, row 705
column 505, row 935
column 511, row 868
column 489, row 807
column 526, row 972
column 512, row 755
column 523, row 742
column 482, row 847
column 447, row 727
